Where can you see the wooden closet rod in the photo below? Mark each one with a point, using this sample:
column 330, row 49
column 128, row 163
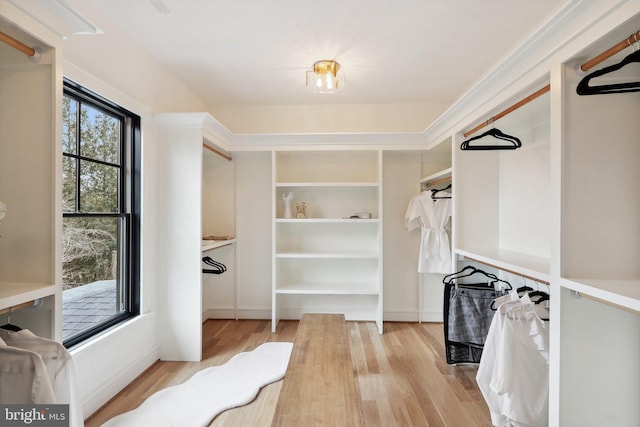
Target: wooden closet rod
column 633, row 38
column 17, row 307
column 535, row 279
column 29, row 51
column 218, row 152
column 437, row 181
column 509, row 110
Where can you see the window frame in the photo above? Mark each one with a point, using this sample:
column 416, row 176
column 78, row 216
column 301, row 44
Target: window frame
column 129, row 200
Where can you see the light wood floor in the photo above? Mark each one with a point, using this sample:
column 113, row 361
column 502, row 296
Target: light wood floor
column 402, row 376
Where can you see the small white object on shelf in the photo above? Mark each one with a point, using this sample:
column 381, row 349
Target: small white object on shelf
column 287, row 204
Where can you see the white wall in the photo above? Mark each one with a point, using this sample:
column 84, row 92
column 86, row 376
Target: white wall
column 384, row 118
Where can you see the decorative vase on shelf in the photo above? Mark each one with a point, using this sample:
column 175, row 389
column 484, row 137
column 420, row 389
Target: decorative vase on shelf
column 287, row 204
column 301, row 209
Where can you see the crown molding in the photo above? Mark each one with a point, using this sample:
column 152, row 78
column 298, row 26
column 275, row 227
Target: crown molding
column 527, row 64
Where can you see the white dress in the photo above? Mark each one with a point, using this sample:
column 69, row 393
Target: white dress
column 432, row 217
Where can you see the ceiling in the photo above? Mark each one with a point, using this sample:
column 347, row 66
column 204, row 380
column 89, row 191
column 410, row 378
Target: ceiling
column 256, row 52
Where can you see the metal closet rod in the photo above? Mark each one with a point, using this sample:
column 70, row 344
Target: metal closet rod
column 515, row 106
column 16, row 44
column 633, row 38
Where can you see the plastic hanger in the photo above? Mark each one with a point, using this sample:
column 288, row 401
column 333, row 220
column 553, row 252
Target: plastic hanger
column 210, row 261
column 9, row 326
column 543, row 296
column 436, row 191
column 219, row 267
column 583, row 87
column 513, row 141
column 470, row 271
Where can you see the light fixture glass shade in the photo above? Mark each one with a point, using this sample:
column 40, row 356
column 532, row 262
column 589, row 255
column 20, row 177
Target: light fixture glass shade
column 326, row 77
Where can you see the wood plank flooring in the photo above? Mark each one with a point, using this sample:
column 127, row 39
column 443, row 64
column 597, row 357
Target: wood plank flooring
column 402, row 376
column 319, row 387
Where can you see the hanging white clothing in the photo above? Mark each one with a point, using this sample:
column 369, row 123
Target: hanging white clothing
column 513, row 375
column 23, row 377
column 490, row 356
column 524, row 377
column 431, row 215
column 58, row 364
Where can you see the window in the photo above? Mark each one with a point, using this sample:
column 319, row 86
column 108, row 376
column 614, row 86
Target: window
column 101, row 207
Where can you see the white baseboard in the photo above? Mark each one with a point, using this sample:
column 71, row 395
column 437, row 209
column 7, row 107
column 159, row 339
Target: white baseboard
column 265, row 314
column 118, row 381
column 225, row 313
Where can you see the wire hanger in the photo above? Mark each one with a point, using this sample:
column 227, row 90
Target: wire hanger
column 513, row 142
column 583, row 87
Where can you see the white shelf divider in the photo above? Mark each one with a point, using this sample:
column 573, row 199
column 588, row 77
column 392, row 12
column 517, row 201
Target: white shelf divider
column 15, row 293
column 443, row 174
column 208, row 245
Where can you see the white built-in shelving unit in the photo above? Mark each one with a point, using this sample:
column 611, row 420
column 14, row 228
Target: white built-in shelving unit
column 328, row 262
column 564, row 211
column 503, row 197
column 201, row 200
column 597, row 350
column 30, row 160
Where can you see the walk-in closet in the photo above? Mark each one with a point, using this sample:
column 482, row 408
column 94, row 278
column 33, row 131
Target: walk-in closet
column 470, row 241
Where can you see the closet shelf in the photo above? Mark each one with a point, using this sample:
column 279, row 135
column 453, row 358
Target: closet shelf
column 208, row 245
column 327, row 220
column 328, row 289
column 326, row 255
column 14, row 293
column 623, row 293
column 443, row 174
column 328, row 184
column 525, row 264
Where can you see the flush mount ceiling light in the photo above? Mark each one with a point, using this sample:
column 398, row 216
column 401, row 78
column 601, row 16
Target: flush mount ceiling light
column 326, row 77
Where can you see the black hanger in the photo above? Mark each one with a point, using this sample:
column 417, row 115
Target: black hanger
column 524, row 289
column 9, row 326
column 583, row 87
column 470, row 271
column 436, row 191
column 543, row 296
column 513, row 141
column 210, row 261
column 219, row 267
